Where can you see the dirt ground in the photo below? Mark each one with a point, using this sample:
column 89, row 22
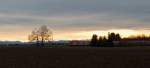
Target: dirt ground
column 75, row 57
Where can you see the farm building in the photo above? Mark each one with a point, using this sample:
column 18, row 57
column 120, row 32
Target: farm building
column 79, row 42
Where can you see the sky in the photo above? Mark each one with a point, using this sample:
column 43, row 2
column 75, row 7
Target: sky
column 73, row 19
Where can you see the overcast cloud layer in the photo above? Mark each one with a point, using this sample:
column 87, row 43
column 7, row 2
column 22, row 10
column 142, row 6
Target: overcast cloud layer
column 74, row 15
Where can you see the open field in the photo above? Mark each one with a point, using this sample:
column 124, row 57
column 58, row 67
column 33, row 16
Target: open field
column 75, row 57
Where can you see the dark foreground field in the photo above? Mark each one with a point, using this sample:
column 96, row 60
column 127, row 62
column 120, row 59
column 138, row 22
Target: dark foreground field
column 74, row 57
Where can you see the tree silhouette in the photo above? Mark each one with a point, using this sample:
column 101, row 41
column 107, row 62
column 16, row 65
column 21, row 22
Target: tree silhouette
column 104, row 41
column 41, row 36
column 34, row 37
column 94, row 40
column 113, row 37
column 100, row 41
column 118, row 38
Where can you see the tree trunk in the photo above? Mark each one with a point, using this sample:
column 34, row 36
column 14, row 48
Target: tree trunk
column 37, row 42
column 42, row 42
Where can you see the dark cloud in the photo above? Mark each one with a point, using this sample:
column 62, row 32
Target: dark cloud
column 76, row 15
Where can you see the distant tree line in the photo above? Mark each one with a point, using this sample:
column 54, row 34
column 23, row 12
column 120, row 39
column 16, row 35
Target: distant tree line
column 103, row 41
column 138, row 37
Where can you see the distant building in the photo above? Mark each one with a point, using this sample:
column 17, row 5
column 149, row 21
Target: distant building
column 135, row 42
column 60, row 42
column 79, row 42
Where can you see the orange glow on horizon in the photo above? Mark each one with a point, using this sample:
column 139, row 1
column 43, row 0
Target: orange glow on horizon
column 87, row 35
column 84, row 35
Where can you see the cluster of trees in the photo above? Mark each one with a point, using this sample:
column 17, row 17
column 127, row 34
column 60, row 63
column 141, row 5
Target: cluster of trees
column 41, row 36
column 103, row 41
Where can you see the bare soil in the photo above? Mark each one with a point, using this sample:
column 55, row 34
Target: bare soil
column 75, row 57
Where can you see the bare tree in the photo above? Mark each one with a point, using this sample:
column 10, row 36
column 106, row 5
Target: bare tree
column 41, row 36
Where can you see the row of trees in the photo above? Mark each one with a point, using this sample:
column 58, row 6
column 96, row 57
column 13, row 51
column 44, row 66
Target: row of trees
column 104, row 41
